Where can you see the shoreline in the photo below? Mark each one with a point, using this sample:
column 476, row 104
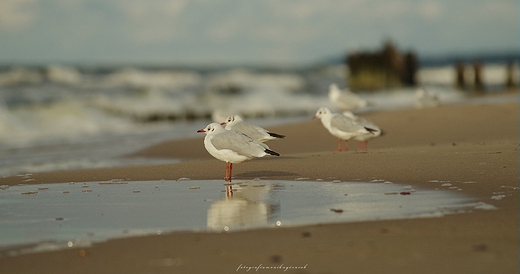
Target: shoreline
column 455, row 143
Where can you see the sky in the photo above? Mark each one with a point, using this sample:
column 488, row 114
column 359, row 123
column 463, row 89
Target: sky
column 247, row 31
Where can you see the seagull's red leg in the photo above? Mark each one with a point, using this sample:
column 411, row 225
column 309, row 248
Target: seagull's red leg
column 226, row 178
column 366, row 145
column 339, row 145
column 360, row 145
column 229, row 188
column 230, row 171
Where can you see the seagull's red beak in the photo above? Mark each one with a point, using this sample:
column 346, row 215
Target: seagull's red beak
column 201, row 130
column 314, row 117
column 223, row 123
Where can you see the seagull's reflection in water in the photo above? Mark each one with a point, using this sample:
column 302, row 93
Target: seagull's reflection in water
column 245, row 205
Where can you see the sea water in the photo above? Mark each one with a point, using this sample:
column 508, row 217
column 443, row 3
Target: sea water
column 52, row 216
column 59, row 117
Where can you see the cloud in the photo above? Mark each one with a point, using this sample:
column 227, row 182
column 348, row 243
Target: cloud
column 17, row 14
column 225, row 30
column 143, row 11
column 152, row 21
column 296, row 10
column 491, row 10
column 430, row 10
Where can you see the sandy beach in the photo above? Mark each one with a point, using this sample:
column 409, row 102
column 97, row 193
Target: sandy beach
column 455, row 143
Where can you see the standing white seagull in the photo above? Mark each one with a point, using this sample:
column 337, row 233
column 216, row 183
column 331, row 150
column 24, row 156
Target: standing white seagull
column 237, row 123
column 232, row 147
column 426, row 99
column 345, row 100
column 342, row 127
column 363, row 139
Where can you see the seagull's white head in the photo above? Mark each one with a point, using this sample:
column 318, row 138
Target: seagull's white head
column 333, row 86
column 334, row 89
column 322, row 112
column 232, row 119
column 211, row 128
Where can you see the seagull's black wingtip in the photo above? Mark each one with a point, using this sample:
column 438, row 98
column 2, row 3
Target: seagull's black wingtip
column 268, row 151
column 371, row 130
column 276, row 135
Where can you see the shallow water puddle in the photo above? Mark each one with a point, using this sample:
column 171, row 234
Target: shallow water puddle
column 50, row 216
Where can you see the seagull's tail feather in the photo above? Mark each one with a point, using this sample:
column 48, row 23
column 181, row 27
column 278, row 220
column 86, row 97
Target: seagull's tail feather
column 268, row 151
column 276, row 135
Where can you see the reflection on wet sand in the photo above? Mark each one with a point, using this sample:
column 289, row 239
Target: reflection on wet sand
column 245, row 204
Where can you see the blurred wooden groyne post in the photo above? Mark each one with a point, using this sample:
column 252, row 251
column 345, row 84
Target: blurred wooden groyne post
column 511, row 82
column 387, row 68
column 478, row 68
column 476, row 75
column 460, row 76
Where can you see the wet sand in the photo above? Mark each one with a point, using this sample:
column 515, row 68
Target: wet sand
column 455, row 143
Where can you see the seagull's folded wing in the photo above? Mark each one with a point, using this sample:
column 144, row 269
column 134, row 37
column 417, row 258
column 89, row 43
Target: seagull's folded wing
column 239, row 143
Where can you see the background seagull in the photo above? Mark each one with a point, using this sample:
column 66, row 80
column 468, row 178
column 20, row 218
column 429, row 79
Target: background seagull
column 424, row 99
column 345, row 100
column 342, row 127
column 237, row 123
